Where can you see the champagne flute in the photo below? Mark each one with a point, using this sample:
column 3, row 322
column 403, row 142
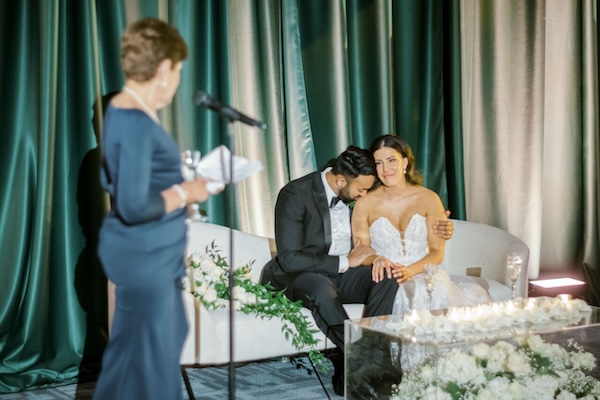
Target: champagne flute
column 514, row 261
column 190, row 160
column 430, row 272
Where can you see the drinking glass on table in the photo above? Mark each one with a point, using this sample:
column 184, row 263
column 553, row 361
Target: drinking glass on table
column 514, row 261
column 429, row 274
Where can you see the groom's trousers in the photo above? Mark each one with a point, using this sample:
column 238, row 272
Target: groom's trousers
column 325, row 296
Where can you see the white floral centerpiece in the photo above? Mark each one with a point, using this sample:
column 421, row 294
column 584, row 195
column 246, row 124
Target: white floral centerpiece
column 527, row 368
column 208, row 280
column 487, row 321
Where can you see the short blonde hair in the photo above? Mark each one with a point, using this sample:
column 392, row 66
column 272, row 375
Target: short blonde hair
column 145, row 44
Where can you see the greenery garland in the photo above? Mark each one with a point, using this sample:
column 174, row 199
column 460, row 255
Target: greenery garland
column 208, row 280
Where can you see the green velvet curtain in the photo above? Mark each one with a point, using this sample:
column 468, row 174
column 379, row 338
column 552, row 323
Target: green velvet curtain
column 322, row 74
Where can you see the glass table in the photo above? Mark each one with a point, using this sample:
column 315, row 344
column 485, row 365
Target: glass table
column 533, row 348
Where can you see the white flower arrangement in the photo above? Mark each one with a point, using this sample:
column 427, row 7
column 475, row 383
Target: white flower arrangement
column 208, row 280
column 527, row 368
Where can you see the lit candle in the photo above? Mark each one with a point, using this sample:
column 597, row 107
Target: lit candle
column 566, row 298
column 530, row 304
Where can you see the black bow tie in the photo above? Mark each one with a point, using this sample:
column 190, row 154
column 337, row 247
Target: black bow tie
column 334, row 201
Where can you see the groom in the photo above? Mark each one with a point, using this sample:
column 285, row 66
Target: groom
column 316, row 260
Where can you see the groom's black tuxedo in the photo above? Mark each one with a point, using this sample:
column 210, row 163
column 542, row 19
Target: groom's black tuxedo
column 304, row 268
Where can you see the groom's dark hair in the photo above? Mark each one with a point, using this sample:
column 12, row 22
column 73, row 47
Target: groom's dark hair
column 353, row 162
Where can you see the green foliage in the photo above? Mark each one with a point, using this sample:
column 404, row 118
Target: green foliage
column 210, row 274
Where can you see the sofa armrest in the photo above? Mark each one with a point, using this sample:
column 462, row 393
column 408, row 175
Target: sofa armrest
column 484, row 247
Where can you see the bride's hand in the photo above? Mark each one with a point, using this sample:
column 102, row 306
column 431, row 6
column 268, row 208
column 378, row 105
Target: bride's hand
column 382, row 267
column 401, row 273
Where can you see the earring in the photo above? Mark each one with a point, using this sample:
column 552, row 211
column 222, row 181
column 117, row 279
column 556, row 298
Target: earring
column 404, row 171
column 163, row 83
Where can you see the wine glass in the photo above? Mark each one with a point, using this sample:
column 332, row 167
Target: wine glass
column 190, row 160
column 514, row 261
column 430, row 272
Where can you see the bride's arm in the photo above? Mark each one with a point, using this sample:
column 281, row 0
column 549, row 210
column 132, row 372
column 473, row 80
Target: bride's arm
column 434, row 212
column 382, row 267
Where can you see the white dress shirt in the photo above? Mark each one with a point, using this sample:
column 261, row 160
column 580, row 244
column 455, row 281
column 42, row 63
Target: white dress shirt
column 341, row 230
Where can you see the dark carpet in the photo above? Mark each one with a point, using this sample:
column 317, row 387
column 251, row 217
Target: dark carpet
column 268, row 380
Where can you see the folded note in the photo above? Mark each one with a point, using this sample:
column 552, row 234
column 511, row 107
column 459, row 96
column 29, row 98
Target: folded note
column 215, row 166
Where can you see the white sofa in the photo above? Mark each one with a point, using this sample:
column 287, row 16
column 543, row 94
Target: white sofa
column 478, row 246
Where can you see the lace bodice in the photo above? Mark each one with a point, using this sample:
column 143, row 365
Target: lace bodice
column 407, row 248
column 401, row 247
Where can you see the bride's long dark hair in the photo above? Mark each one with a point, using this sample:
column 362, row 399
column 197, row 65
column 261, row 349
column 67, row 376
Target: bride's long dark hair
column 413, row 176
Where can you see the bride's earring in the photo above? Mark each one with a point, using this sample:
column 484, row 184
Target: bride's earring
column 404, row 170
column 163, row 83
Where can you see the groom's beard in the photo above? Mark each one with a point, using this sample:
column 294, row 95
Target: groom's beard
column 344, row 195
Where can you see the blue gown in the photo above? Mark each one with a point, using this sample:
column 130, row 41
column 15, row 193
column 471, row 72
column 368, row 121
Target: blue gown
column 142, row 252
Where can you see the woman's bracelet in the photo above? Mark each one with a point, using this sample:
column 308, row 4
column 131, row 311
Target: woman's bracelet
column 182, row 195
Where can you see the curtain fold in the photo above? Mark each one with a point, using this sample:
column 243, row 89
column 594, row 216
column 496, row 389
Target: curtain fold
column 45, row 300
column 418, row 87
column 591, row 149
column 453, row 109
column 521, row 79
column 370, row 70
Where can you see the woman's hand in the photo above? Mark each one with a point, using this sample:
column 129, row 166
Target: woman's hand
column 382, row 267
column 402, row 273
column 196, row 190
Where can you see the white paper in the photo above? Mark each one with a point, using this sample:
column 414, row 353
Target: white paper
column 215, row 167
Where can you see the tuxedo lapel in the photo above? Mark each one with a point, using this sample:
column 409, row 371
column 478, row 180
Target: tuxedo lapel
column 320, row 199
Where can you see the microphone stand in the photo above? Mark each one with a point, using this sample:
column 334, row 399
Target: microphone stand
column 231, row 215
column 201, row 99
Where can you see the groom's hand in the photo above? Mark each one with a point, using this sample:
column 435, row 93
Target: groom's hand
column 444, row 229
column 359, row 254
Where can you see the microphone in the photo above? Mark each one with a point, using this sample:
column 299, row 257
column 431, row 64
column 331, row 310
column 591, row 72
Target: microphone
column 202, row 99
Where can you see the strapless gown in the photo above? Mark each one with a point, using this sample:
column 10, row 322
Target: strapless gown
column 409, row 247
column 406, row 248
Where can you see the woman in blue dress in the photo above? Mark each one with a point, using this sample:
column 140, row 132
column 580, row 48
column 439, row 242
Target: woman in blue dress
column 143, row 237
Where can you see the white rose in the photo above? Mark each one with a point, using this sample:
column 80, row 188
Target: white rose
column 249, row 298
column 518, row 364
column 515, row 389
column 536, row 344
column 481, row 350
column 208, row 265
column 499, row 388
column 216, row 274
column 460, row 368
column 585, row 361
column 238, row 292
column 485, row 394
column 210, row 295
column 201, row 290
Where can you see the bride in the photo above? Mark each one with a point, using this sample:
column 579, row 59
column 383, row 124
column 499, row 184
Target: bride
column 396, row 218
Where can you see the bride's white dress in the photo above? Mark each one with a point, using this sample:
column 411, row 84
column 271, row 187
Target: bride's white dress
column 409, row 247
column 406, row 248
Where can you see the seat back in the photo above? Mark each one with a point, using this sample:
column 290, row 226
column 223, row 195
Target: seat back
column 475, row 245
column 247, row 247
